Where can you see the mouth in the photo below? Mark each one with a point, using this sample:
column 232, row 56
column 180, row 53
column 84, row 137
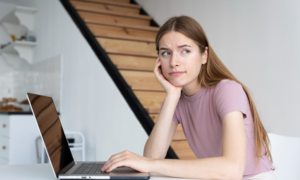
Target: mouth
column 176, row 73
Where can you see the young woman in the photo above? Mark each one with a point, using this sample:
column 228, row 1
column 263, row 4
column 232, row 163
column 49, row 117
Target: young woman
column 216, row 111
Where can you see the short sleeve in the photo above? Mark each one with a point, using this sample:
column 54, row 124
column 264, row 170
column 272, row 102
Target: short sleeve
column 230, row 96
column 175, row 119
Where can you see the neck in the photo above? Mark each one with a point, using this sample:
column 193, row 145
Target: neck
column 191, row 89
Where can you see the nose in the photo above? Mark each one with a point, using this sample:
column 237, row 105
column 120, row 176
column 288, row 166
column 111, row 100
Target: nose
column 175, row 60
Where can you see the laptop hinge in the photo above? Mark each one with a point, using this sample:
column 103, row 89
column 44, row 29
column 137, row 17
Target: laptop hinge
column 65, row 169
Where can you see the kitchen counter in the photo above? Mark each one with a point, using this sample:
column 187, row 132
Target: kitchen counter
column 16, row 112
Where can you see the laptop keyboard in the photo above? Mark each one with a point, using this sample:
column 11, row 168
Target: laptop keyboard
column 89, row 168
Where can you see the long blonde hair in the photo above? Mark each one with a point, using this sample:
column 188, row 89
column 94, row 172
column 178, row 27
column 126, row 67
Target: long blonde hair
column 214, row 71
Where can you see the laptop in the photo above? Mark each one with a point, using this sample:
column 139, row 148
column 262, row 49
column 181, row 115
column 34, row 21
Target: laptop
column 58, row 151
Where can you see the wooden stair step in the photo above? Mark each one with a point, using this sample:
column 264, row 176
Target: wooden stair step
column 123, row 25
column 123, row 62
column 126, row 37
column 121, row 1
column 82, row 7
column 125, row 47
column 97, row 28
column 122, row 33
column 105, row 7
column 183, row 150
column 146, row 87
column 139, row 80
column 154, row 117
column 135, row 6
column 152, row 110
column 150, row 99
column 130, row 67
column 112, row 19
column 132, row 53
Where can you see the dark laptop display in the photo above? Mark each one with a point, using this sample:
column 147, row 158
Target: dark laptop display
column 52, row 131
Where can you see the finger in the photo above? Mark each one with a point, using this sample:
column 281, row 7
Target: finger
column 112, row 157
column 157, row 68
column 109, row 164
column 159, row 74
column 117, row 164
column 115, row 156
column 114, row 164
column 157, row 61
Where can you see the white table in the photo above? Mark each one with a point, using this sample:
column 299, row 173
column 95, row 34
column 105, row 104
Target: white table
column 44, row 172
column 27, row 172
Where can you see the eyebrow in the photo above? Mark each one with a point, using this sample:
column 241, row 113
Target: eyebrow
column 184, row 45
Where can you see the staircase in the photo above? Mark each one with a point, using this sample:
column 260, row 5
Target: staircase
column 123, row 38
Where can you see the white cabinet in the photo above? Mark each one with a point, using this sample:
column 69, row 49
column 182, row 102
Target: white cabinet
column 18, row 135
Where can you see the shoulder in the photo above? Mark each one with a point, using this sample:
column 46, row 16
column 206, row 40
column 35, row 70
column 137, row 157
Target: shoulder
column 227, row 83
column 230, row 96
column 228, row 86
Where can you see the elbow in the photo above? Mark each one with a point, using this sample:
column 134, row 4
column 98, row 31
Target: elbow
column 147, row 154
column 235, row 171
column 151, row 153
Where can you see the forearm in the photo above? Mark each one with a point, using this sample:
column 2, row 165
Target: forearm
column 207, row 168
column 157, row 143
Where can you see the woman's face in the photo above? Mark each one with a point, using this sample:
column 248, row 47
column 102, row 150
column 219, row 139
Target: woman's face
column 180, row 58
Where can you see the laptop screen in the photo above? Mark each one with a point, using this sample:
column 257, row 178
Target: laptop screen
column 51, row 131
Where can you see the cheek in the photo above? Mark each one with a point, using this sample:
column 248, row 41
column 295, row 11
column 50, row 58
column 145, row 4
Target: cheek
column 164, row 69
column 194, row 69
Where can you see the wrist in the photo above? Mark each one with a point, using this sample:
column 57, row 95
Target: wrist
column 174, row 95
column 154, row 165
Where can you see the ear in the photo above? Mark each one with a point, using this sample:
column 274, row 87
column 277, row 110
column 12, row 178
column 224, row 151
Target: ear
column 205, row 55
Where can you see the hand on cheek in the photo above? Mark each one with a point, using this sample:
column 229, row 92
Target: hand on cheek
column 164, row 82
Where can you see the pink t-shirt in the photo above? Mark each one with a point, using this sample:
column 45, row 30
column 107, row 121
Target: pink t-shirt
column 201, row 114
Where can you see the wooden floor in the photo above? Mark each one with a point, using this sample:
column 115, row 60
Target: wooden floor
column 129, row 41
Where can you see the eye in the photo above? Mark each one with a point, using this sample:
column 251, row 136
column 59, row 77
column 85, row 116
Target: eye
column 165, row 53
column 186, row 51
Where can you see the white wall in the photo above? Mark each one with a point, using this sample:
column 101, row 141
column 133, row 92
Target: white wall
column 43, row 77
column 91, row 103
column 259, row 42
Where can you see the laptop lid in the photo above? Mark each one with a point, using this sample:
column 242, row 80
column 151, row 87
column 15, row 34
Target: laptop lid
column 57, row 147
column 51, row 130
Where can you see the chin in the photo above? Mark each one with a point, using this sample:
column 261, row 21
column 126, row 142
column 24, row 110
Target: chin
column 176, row 83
